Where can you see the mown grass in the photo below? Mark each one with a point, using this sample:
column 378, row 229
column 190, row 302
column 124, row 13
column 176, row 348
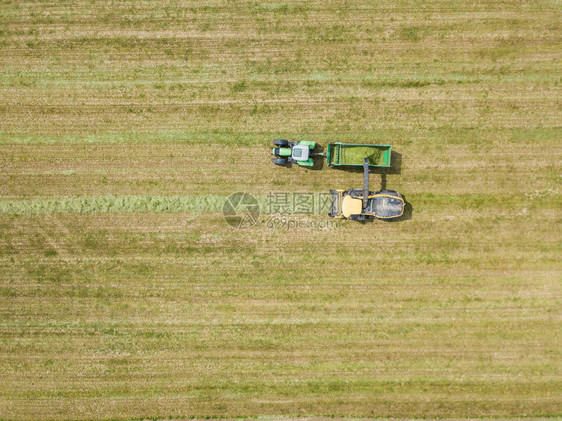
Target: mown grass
column 319, row 205
column 112, row 204
column 124, row 292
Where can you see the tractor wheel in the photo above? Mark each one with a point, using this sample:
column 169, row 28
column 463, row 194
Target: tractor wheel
column 279, row 161
column 280, row 142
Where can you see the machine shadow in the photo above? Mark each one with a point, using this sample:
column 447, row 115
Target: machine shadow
column 318, row 160
column 408, row 211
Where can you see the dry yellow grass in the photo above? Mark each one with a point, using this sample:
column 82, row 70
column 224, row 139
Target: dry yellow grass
column 454, row 312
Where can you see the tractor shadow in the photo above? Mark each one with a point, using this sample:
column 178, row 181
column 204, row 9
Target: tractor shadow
column 408, row 211
column 319, row 161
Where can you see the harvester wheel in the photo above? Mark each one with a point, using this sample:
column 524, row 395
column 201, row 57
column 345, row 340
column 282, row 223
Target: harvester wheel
column 280, row 142
column 279, row 161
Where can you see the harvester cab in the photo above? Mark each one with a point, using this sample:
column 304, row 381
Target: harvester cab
column 300, row 153
column 361, row 205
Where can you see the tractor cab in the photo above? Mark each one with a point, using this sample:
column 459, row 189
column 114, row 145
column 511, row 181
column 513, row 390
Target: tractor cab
column 300, row 152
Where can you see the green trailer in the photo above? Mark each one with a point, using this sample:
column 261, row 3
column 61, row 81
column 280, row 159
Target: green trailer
column 353, row 154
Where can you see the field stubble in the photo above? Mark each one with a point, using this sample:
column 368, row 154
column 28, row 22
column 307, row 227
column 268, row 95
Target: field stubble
column 125, row 294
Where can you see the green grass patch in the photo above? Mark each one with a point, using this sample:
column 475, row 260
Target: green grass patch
column 354, row 155
column 113, row 204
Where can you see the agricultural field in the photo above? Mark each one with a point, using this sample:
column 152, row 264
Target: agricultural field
column 124, row 292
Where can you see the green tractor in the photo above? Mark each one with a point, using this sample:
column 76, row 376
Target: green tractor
column 300, row 153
